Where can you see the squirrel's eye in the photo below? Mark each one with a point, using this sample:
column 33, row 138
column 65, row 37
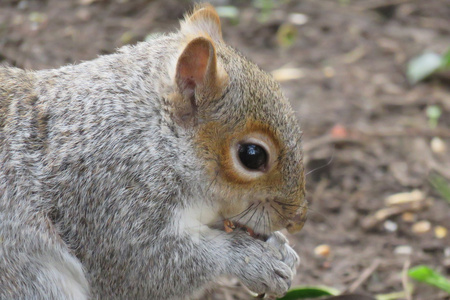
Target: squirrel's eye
column 252, row 156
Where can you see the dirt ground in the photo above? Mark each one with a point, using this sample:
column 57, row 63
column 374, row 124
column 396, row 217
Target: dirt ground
column 366, row 132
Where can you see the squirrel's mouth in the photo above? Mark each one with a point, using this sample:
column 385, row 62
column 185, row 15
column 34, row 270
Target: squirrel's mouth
column 230, row 226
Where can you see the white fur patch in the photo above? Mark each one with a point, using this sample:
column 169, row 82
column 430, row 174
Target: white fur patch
column 68, row 275
column 195, row 221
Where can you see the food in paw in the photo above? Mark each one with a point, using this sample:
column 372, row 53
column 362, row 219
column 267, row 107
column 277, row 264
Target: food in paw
column 229, row 226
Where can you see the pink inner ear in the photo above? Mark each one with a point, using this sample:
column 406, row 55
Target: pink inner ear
column 192, row 65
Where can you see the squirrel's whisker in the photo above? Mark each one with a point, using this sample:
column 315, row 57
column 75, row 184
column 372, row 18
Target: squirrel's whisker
column 321, row 167
column 283, row 217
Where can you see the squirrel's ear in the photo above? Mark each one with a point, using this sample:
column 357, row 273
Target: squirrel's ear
column 204, row 19
column 199, row 77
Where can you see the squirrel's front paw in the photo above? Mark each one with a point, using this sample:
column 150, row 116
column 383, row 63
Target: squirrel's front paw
column 289, row 256
column 267, row 267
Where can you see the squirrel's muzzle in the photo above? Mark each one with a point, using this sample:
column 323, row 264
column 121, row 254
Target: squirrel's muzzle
column 296, row 223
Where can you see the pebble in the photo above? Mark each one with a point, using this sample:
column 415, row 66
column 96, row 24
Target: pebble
column 403, row 250
column 390, row 226
column 298, row 19
column 339, row 131
column 23, row 5
column 440, row 232
column 329, row 72
column 447, row 252
column 408, row 217
column 322, row 250
column 438, row 145
column 421, row 227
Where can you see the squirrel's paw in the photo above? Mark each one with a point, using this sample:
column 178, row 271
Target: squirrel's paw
column 289, row 256
column 268, row 267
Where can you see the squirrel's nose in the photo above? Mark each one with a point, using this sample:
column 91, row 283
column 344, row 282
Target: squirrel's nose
column 296, row 223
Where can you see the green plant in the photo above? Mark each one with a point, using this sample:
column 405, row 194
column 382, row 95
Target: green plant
column 422, row 66
column 266, row 7
column 441, row 185
column 433, row 112
column 429, row 276
column 303, row 292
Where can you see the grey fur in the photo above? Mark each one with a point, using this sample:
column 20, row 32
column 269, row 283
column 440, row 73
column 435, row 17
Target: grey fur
column 97, row 181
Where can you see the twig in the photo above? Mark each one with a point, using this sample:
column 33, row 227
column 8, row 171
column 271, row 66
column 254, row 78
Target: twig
column 371, row 221
column 405, row 279
column 364, row 275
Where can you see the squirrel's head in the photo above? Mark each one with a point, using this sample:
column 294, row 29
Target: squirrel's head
column 244, row 130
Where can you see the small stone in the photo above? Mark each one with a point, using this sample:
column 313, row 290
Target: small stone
column 37, row 17
column 440, row 232
column 298, row 19
column 390, row 226
column 403, row 250
column 447, row 252
column 421, row 227
column 23, row 5
column 329, row 72
column 247, row 259
column 339, row 131
column 408, row 217
column 322, row 250
column 438, row 145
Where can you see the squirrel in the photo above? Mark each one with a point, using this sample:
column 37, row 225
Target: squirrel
column 117, row 174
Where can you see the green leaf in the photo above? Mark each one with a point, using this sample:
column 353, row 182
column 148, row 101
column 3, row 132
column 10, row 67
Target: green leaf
column 429, row 276
column 446, row 60
column 230, row 12
column 286, row 35
column 441, row 185
column 391, row 296
column 266, row 8
column 433, row 112
column 423, row 66
column 302, row 292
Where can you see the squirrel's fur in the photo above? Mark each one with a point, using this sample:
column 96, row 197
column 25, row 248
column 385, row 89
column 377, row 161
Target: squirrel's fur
column 116, row 173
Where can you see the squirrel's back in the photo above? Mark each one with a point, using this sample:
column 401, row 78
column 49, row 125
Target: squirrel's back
column 16, row 88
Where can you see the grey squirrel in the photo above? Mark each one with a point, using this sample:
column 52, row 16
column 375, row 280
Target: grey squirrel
column 117, row 174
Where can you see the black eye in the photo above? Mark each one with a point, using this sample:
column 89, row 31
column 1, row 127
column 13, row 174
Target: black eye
column 252, row 156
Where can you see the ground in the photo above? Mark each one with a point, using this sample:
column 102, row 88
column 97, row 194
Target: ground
column 366, row 132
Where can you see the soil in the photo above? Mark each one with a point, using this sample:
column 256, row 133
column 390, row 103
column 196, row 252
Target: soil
column 366, row 132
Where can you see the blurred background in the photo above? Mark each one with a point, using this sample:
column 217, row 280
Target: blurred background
column 369, row 80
